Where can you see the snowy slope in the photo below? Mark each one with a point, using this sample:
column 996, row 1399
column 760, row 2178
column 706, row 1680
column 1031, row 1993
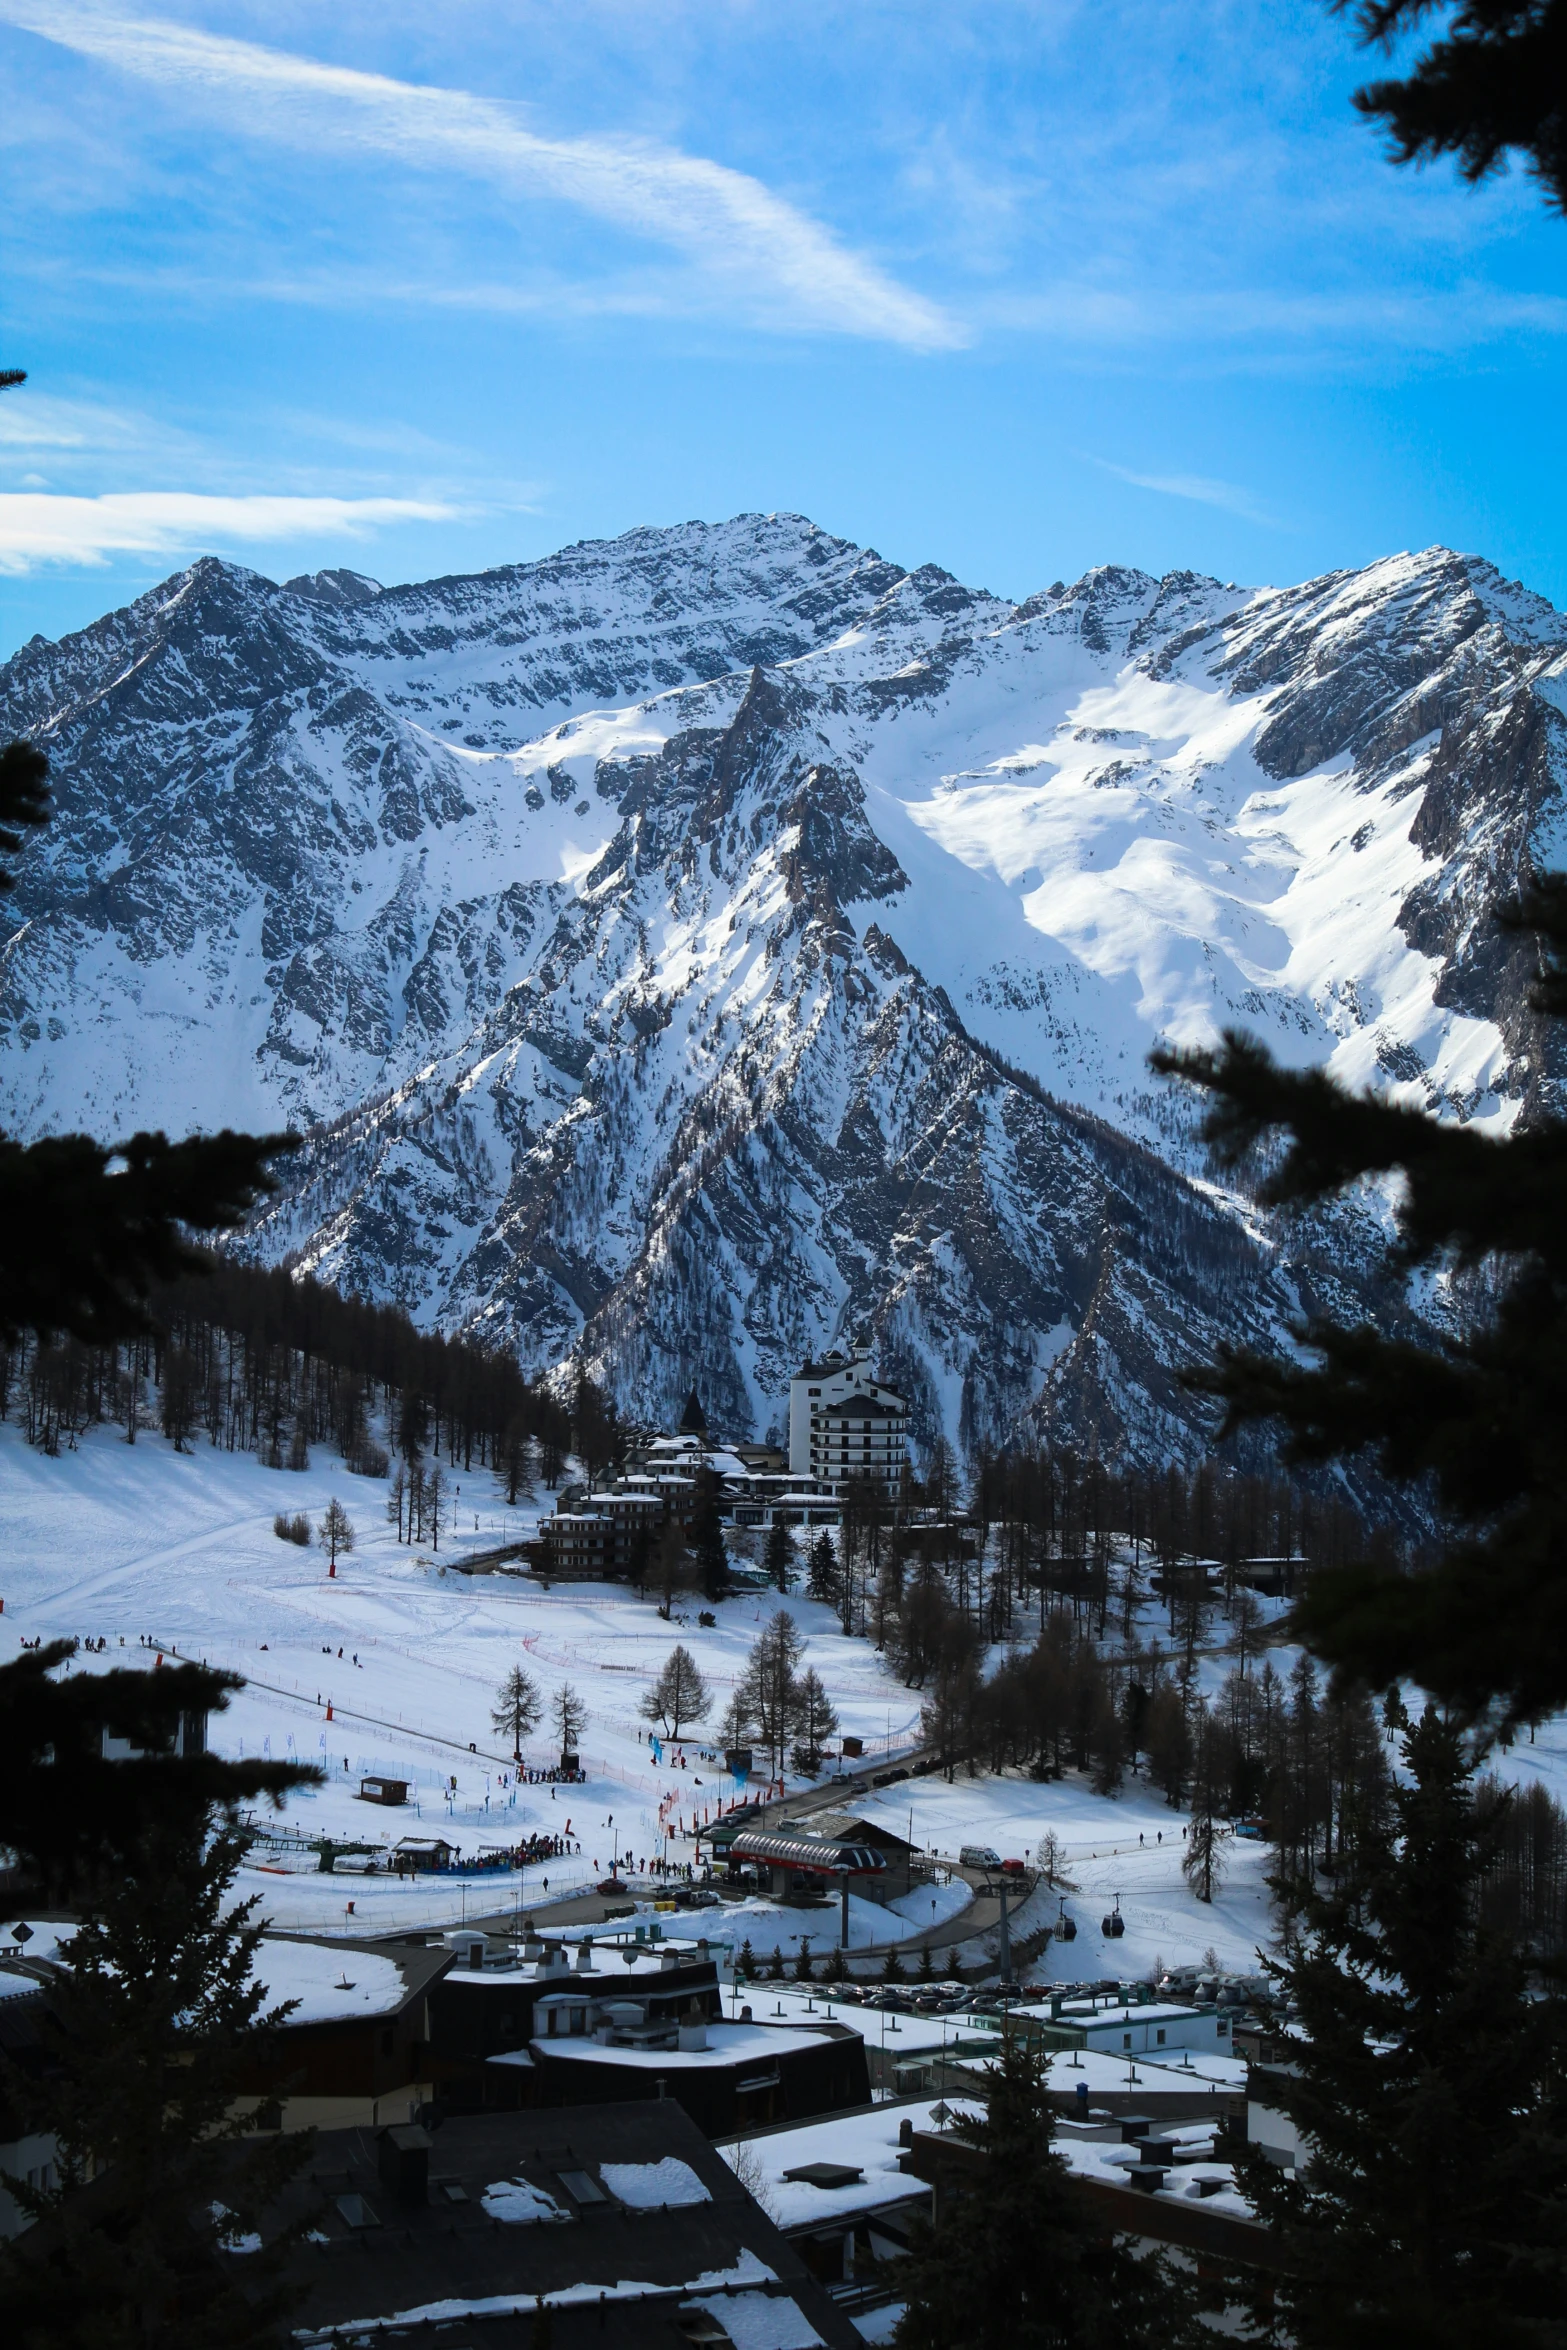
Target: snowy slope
column 133, row 1543
column 695, row 947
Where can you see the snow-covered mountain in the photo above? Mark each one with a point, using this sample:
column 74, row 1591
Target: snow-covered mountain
column 694, row 947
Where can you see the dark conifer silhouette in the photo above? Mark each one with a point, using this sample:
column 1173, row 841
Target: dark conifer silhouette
column 1493, row 83
column 146, row 2035
column 1016, row 2263
column 1476, row 1420
column 69, row 1810
column 85, row 1230
column 1427, row 2080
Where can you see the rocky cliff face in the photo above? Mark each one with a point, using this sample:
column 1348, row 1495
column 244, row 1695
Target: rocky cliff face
column 690, row 949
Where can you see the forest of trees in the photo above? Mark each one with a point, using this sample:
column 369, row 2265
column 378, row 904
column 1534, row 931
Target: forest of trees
column 265, row 1362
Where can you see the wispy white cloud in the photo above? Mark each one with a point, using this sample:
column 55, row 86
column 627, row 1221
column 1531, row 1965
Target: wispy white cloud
column 1352, row 319
column 38, row 529
column 764, row 254
column 35, row 421
column 1197, row 487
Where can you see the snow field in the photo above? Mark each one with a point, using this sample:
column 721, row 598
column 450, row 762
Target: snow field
column 131, row 1542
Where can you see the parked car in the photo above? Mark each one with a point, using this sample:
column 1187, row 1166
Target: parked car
column 697, row 1897
column 1014, row 1868
column 979, row 1856
column 612, row 1885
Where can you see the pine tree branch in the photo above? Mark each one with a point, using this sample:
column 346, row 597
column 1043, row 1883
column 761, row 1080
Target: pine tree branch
column 1466, row 1194
column 67, row 1812
column 1496, row 83
column 24, row 795
column 87, row 1228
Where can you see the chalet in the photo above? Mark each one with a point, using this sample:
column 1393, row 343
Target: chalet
column 904, row 1866
column 412, row 1854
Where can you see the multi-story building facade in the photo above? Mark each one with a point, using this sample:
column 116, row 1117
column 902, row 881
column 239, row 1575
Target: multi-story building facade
column 845, row 1426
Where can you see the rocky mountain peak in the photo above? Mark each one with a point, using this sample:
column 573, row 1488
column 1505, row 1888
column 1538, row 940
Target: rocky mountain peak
column 693, row 945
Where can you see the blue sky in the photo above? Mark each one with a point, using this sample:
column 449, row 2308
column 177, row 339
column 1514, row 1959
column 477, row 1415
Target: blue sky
column 1015, row 288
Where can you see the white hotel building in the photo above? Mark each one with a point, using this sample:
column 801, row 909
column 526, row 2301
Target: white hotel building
column 843, row 1424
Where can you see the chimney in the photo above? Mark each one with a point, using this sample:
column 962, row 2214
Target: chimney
column 404, row 2157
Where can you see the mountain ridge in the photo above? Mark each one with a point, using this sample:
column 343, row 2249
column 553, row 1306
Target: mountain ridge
column 695, row 945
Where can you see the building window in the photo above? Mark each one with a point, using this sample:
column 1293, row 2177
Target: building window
column 1161, row 2039
column 1126, row 2039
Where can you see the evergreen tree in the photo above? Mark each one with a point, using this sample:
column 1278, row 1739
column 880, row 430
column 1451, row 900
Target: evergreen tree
column 893, row 1969
column 336, row 1534
column 1476, row 1417
column 707, row 1538
column 569, row 1717
column 1018, row 2264
column 927, row 1966
column 770, row 1689
column 822, row 1578
column 149, row 2022
column 835, row 1967
column 1495, row 83
column 1430, row 2082
column 1202, row 1863
column 816, row 1721
column 803, row 1968
column 517, row 1707
column 70, row 1815
column 745, row 1962
column 778, row 1557
column 85, row 1230
column 680, row 1694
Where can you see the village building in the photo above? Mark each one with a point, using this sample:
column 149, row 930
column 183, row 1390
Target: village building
column 847, row 1433
column 841, row 2192
column 1169, row 2189
column 727, row 2075
column 613, row 2017
column 485, row 2008
column 356, row 2051
column 620, row 2222
column 29, row 2155
column 845, row 1426
column 1117, row 2026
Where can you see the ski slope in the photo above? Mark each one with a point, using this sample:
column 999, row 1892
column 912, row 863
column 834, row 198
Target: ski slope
column 146, row 1548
